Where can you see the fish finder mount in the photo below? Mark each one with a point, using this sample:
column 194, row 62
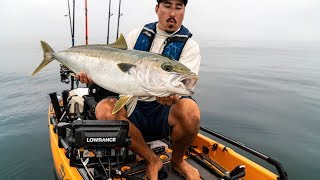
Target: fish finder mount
column 106, row 139
column 64, row 74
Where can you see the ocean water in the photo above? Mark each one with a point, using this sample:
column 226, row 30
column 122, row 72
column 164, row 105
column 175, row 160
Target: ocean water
column 263, row 94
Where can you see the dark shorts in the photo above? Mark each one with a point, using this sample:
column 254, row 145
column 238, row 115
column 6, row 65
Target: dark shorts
column 151, row 118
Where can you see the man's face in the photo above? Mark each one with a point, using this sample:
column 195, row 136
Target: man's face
column 170, row 15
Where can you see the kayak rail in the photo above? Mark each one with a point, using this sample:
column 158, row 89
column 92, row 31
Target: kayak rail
column 282, row 173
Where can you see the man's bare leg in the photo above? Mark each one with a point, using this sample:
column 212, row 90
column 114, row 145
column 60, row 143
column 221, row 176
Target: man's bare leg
column 184, row 117
column 138, row 144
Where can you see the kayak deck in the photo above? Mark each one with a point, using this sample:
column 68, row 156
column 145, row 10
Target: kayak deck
column 212, row 159
column 168, row 172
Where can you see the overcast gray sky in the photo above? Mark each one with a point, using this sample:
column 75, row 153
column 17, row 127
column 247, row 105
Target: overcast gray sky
column 209, row 20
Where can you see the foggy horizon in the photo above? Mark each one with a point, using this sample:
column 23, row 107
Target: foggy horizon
column 208, row 20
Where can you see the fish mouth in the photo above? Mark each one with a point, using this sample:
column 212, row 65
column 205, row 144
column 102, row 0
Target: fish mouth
column 187, row 82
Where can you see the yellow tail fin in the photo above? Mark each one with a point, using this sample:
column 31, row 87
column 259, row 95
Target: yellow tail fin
column 47, row 57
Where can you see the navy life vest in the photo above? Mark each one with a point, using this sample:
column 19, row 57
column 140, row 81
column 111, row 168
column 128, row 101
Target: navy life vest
column 173, row 45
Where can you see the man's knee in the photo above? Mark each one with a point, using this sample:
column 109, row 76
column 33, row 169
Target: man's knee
column 186, row 113
column 104, row 108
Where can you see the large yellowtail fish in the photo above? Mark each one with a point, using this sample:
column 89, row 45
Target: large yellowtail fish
column 129, row 73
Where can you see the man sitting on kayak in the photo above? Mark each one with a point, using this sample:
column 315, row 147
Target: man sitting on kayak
column 159, row 117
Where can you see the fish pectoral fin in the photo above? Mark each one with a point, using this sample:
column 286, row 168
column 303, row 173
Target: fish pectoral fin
column 125, row 67
column 131, row 105
column 124, row 99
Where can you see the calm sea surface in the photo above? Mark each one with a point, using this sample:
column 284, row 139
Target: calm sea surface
column 266, row 95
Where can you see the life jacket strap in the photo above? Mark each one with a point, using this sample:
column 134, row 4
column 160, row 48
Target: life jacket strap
column 173, row 45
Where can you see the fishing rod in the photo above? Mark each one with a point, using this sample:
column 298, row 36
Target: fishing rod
column 86, row 19
column 119, row 14
column 70, row 19
column 64, row 71
column 73, row 29
column 109, row 15
column 73, row 17
column 71, row 22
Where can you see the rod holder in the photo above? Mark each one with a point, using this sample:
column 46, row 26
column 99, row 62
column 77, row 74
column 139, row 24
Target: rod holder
column 65, row 95
column 55, row 103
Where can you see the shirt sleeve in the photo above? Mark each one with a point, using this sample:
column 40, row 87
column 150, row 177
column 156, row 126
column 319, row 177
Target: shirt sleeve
column 190, row 56
column 132, row 37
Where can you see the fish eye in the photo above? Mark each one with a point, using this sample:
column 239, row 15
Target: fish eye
column 167, row 68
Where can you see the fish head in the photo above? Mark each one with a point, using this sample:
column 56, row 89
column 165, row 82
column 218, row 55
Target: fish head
column 162, row 76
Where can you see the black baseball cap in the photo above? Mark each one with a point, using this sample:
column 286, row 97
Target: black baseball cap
column 185, row 1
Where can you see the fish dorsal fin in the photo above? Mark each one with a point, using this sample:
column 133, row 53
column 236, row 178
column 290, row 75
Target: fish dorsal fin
column 120, row 43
